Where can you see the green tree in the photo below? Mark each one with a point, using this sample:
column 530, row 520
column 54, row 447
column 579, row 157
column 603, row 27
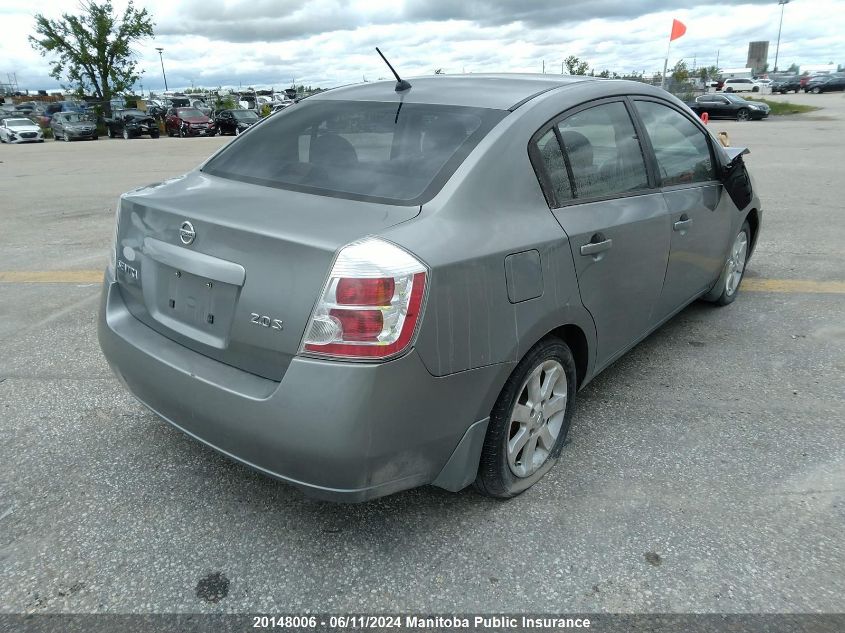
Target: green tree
column 680, row 72
column 576, row 66
column 93, row 50
column 793, row 68
column 708, row 72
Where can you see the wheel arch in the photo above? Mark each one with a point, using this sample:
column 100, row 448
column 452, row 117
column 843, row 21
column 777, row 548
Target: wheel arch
column 576, row 340
column 753, row 219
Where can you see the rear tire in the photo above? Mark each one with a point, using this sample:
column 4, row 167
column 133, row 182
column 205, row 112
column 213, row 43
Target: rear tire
column 529, row 422
column 816, row 91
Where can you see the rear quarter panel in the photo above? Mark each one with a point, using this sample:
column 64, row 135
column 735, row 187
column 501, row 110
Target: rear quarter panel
column 493, row 207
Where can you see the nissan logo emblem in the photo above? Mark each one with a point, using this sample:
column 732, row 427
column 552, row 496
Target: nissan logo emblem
column 187, row 233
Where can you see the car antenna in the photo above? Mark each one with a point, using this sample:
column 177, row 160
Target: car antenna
column 401, row 84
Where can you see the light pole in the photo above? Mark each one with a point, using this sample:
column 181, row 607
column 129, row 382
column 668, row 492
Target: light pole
column 782, row 4
column 161, row 58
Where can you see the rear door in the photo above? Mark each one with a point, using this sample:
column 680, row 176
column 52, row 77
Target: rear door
column 700, row 219
column 604, row 198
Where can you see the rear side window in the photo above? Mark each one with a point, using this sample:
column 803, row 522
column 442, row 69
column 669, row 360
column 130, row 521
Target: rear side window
column 603, row 152
column 552, row 157
column 387, row 152
column 681, row 148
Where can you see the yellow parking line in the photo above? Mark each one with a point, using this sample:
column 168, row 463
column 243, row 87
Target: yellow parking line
column 810, row 286
column 750, row 284
column 51, row 276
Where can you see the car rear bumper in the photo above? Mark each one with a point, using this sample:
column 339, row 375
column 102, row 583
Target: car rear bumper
column 339, row 431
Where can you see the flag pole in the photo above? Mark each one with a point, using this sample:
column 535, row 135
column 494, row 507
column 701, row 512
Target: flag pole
column 666, row 63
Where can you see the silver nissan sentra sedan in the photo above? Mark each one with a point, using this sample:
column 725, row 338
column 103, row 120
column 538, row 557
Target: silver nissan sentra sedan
column 383, row 287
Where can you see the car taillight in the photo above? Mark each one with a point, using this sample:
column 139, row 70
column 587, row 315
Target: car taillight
column 371, row 303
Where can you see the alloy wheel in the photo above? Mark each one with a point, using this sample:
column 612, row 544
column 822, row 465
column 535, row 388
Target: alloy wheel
column 537, row 418
column 736, row 263
column 742, row 115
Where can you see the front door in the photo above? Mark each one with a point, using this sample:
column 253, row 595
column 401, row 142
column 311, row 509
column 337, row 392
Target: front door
column 700, row 219
column 616, row 221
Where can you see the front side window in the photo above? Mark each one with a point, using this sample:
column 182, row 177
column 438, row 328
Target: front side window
column 681, row 148
column 386, row 152
column 602, row 151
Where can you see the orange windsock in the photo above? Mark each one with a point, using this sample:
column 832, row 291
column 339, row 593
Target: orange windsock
column 678, row 29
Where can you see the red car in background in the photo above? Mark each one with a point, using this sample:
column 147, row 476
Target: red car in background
column 188, row 122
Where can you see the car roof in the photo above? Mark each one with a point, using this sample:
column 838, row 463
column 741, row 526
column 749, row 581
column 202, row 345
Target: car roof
column 502, row 91
column 18, row 119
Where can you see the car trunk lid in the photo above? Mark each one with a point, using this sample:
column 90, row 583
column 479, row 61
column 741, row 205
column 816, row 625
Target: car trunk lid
column 232, row 270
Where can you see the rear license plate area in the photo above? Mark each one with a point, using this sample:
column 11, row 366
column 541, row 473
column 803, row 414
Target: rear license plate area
column 191, row 303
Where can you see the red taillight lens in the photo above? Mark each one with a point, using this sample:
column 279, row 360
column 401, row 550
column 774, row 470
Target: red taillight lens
column 360, row 325
column 365, row 292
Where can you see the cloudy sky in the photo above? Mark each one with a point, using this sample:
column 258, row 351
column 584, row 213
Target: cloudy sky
column 330, row 42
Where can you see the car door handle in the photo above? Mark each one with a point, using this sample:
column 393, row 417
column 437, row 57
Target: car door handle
column 596, row 247
column 682, row 225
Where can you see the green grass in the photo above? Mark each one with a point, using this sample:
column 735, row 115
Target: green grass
column 784, row 107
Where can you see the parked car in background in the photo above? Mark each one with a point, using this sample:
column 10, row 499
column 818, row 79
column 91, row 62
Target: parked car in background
column 235, row 121
column 828, row 83
column 740, row 85
column 130, row 123
column 307, row 301
column 805, row 79
column 26, row 108
column 20, row 130
column 728, row 106
column 177, row 101
column 188, row 122
column 202, row 106
column 73, row 126
column 788, row 84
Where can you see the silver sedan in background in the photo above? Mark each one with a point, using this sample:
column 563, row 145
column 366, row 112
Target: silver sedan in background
column 382, row 286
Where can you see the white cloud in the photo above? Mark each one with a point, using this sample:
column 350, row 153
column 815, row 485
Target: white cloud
column 330, row 42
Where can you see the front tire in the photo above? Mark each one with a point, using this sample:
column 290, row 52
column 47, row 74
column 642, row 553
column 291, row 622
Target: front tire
column 734, row 270
column 743, row 114
column 816, row 91
column 529, row 422
column 126, row 135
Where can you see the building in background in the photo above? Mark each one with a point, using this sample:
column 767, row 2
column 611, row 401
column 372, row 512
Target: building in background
column 736, row 73
column 758, row 57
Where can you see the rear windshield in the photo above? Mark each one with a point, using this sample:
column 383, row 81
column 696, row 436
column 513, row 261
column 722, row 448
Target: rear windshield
column 244, row 114
column 384, row 152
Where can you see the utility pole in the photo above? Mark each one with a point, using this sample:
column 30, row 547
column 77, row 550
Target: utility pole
column 544, row 66
column 782, row 4
column 161, row 58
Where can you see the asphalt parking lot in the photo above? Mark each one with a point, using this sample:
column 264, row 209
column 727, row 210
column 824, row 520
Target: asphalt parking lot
column 705, row 470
